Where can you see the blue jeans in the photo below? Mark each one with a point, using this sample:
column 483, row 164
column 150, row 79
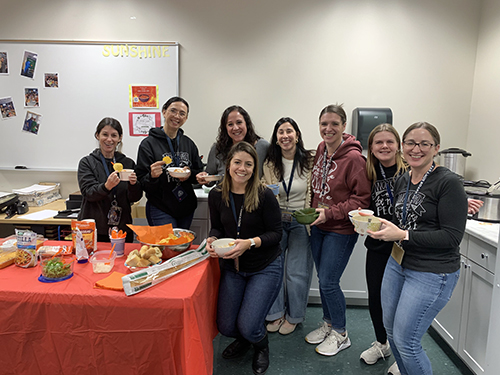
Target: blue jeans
column 158, row 217
column 331, row 252
column 245, row 299
column 410, row 302
column 292, row 298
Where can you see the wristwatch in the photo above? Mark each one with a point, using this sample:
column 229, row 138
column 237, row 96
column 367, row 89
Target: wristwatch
column 252, row 242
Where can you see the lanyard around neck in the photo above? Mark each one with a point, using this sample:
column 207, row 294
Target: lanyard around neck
column 106, row 169
column 289, row 187
column 326, row 167
column 387, row 186
column 175, row 154
column 233, row 208
column 405, row 213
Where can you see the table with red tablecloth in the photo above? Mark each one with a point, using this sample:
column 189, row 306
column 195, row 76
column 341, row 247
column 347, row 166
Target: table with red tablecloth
column 70, row 327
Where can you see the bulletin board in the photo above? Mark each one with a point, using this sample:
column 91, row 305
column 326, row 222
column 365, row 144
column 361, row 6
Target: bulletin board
column 62, row 89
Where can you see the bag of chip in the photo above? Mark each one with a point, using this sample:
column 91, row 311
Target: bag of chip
column 89, row 233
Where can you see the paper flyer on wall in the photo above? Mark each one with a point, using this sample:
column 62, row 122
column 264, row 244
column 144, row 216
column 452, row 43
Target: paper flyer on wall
column 32, row 122
column 143, row 96
column 51, row 80
column 31, row 97
column 141, row 122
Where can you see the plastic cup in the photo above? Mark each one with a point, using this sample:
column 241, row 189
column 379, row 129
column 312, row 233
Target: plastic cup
column 125, row 174
column 119, row 246
column 275, row 188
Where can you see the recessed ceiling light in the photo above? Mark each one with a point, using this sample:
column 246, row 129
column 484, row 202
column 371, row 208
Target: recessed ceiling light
column 133, row 18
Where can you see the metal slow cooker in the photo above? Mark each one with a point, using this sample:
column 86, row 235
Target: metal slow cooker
column 490, row 195
column 454, row 159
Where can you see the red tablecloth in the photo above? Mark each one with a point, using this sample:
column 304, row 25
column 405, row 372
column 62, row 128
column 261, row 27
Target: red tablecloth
column 71, row 328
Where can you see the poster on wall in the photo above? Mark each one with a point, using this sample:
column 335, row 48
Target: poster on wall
column 141, row 122
column 4, row 64
column 143, row 96
column 31, row 97
column 29, row 63
column 7, row 107
column 51, row 80
column 32, row 122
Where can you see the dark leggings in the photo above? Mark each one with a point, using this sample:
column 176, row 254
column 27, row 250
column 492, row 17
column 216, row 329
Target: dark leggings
column 374, row 268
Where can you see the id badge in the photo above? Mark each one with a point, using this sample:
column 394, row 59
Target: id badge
column 179, row 193
column 114, row 214
column 397, row 253
column 286, row 216
column 323, row 205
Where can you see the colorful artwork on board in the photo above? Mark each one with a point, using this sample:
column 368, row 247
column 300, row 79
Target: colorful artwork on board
column 51, row 80
column 141, row 122
column 4, row 63
column 143, row 96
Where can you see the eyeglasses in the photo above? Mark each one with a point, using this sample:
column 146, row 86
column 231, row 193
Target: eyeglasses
column 424, row 146
column 175, row 112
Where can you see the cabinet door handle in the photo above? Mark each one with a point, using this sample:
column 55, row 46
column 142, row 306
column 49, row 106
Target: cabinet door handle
column 484, row 256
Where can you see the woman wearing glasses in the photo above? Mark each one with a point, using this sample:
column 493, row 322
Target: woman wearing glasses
column 170, row 200
column 430, row 212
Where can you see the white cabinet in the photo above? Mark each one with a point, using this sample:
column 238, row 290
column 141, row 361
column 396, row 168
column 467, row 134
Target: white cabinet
column 465, row 321
column 201, row 219
column 353, row 280
column 475, row 316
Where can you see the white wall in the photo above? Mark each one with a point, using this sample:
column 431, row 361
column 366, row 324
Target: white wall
column 484, row 128
column 289, row 57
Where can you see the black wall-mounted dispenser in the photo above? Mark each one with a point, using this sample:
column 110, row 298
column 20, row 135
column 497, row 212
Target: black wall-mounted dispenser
column 365, row 119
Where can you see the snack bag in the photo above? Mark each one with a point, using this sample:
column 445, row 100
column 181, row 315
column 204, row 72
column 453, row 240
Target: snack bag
column 26, row 248
column 89, row 233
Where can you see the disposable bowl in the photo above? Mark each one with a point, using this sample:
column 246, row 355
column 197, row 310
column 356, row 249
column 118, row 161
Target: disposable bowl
column 356, row 212
column 223, row 245
column 178, row 172
column 214, row 177
column 365, row 223
column 125, row 174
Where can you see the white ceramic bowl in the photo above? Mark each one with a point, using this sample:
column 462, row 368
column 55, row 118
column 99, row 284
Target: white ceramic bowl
column 178, row 172
column 355, row 212
column 213, row 177
column 125, row 174
column 223, row 245
column 365, row 223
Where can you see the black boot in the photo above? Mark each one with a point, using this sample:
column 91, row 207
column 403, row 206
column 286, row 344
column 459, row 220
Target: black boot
column 237, row 348
column 260, row 361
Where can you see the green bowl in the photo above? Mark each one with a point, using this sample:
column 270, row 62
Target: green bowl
column 306, row 215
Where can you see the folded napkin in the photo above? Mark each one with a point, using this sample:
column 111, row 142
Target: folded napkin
column 112, row 282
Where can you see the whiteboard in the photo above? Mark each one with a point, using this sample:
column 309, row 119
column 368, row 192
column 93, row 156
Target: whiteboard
column 94, row 79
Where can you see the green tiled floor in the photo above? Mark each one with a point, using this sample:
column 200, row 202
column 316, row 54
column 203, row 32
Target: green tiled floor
column 291, row 355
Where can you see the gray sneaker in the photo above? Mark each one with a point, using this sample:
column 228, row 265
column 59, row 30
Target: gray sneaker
column 394, row 369
column 375, row 352
column 318, row 335
column 334, row 343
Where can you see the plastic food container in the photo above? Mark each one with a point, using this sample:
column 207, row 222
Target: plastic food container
column 102, row 262
column 56, row 268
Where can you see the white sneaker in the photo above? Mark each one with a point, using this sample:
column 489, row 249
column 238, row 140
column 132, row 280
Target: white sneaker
column 318, row 335
column 333, row 344
column 375, row 352
column 394, row 369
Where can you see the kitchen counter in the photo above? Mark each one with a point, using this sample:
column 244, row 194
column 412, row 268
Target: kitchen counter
column 487, row 232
